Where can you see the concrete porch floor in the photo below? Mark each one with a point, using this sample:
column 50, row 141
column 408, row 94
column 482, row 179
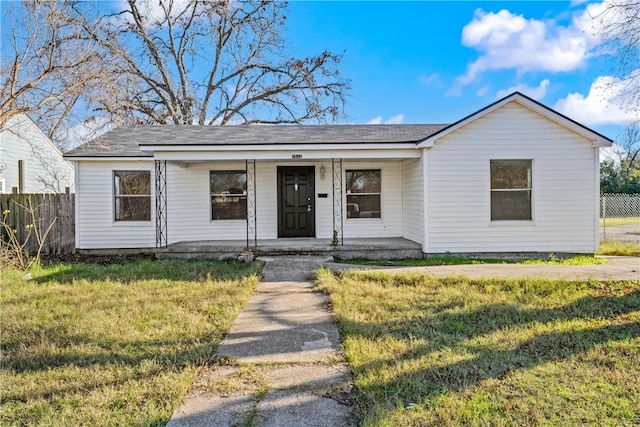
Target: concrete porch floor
column 368, row 248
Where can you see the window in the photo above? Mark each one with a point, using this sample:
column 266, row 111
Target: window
column 363, row 193
column 132, row 195
column 228, row 195
column 510, row 189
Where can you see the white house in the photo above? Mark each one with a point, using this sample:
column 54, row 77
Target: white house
column 30, row 162
column 515, row 176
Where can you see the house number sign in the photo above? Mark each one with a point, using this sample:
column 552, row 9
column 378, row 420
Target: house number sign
column 296, row 156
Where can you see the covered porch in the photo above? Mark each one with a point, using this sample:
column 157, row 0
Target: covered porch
column 349, row 248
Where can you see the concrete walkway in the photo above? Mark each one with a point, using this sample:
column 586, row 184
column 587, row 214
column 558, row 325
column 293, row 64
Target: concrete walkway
column 285, row 366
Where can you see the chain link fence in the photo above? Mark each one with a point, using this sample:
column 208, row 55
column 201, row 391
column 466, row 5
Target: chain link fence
column 620, row 217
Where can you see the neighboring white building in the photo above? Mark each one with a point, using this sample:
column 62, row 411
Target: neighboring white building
column 515, row 176
column 30, row 162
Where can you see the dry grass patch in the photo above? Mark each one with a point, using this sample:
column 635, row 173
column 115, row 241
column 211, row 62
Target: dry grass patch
column 112, row 345
column 455, row 351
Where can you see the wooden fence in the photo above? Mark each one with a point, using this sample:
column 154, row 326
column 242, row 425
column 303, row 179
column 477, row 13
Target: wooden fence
column 20, row 212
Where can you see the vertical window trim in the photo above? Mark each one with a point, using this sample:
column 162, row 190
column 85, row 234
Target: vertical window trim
column 115, row 196
column 211, row 195
column 531, row 191
column 347, row 194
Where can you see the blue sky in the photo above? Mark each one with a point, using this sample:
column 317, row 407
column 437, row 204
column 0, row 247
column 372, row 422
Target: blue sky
column 437, row 61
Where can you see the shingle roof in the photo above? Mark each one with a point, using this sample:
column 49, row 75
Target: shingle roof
column 125, row 141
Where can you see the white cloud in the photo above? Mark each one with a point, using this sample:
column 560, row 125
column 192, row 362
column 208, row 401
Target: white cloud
column 429, row 80
column 152, row 11
column 483, row 90
column 537, row 92
column 593, row 22
column 600, row 107
column 509, row 41
column 394, row 120
column 85, row 131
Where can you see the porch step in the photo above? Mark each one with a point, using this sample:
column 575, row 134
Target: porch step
column 384, row 248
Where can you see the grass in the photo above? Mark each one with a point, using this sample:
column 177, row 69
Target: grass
column 455, row 351
column 118, row 344
column 454, row 260
column 418, row 262
column 619, row 248
column 616, row 222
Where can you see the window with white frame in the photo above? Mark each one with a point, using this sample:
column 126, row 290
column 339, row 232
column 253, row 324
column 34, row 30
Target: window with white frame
column 363, row 189
column 132, row 195
column 228, row 195
column 511, row 190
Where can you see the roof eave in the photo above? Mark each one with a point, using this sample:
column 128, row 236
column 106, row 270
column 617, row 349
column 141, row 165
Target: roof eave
column 278, row 147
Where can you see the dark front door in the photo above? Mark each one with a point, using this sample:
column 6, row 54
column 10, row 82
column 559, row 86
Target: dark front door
column 296, row 207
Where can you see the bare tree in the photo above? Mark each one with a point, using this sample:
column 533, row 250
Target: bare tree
column 50, row 70
column 629, row 151
column 619, row 28
column 620, row 173
column 209, row 62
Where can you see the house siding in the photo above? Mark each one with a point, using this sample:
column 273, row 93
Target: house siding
column 390, row 223
column 413, row 200
column 324, row 206
column 189, row 204
column 189, row 211
column 44, row 169
column 458, row 179
column 95, row 225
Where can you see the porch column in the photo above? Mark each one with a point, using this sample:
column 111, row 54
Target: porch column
column 161, row 203
column 252, row 220
column 338, row 221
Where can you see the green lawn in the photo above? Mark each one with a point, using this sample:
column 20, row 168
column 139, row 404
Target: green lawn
column 116, row 344
column 615, row 222
column 428, row 351
column 455, row 260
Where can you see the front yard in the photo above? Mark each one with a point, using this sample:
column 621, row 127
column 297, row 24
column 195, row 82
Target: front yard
column 112, row 344
column 119, row 344
column 454, row 351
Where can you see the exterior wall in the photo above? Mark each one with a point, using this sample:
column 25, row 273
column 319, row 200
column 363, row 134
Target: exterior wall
column 95, row 225
column 189, row 211
column 413, row 200
column 188, row 202
column 44, row 169
column 390, row 223
column 189, row 205
column 564, row 180
column 267, row 198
